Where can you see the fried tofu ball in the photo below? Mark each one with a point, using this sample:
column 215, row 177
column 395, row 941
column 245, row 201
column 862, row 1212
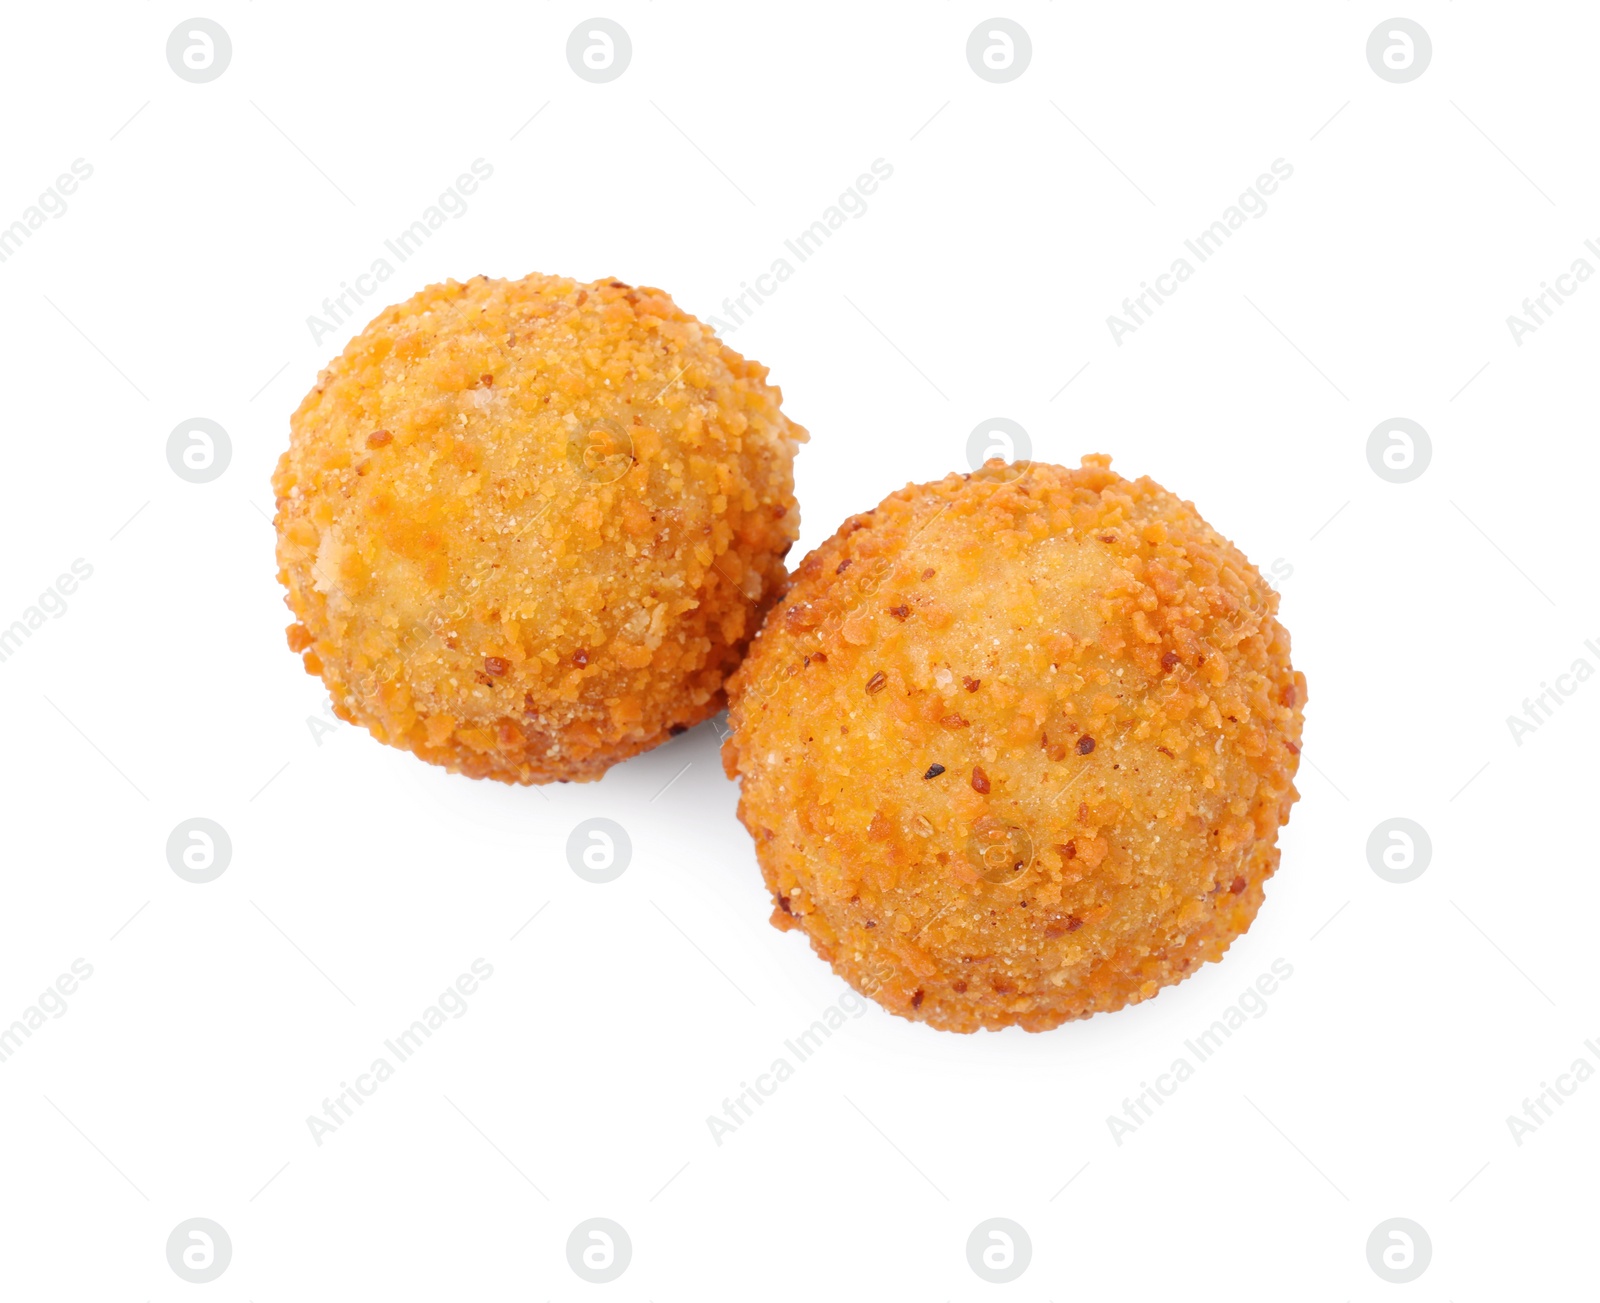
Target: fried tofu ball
column 1016, row 746
column 529, row 527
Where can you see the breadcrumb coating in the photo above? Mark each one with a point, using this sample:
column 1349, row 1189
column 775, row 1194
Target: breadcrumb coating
column 529, row 527
column 1016, row 746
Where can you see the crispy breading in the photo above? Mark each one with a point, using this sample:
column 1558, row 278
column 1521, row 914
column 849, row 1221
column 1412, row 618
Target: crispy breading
column 528, row 527
column 1016, row 746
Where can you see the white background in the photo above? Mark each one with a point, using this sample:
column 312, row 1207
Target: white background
column 1378, row 1083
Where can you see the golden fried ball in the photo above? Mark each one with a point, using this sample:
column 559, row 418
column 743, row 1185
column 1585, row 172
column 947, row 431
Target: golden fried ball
column 529, row 527
column 1016, row 746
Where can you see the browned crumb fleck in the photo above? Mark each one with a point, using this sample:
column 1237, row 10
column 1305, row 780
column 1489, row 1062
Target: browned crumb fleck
column 378, row 438
column 971, row 685
column 496, row 665
column 980, row 781
column 900, row 612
